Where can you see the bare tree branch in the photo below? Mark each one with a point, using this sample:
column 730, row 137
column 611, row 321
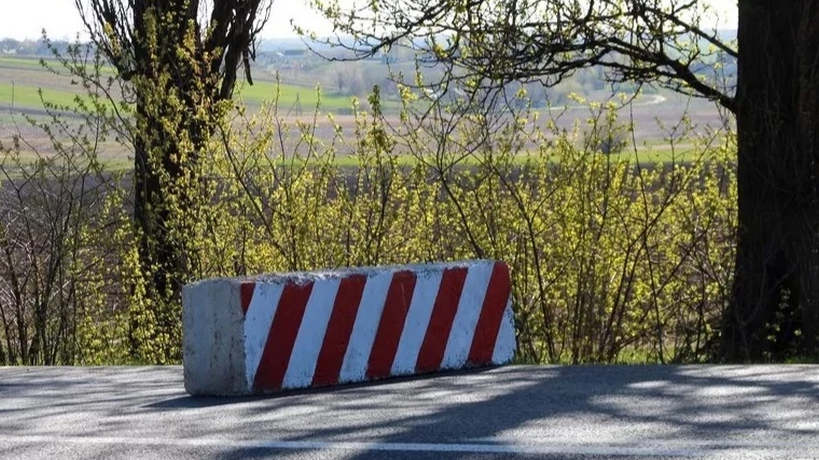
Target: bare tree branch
column 495, row 42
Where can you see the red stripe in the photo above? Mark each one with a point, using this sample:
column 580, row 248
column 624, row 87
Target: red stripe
column 246, row 294
column 282, row 336
column 494, row 304
column 391, row 325
column 339, row 329
column 440, row 323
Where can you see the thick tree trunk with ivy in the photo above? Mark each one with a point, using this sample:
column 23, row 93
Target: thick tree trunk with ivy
column 774, row 313
column 167, row 141
column 182, row 65
column 161, row 209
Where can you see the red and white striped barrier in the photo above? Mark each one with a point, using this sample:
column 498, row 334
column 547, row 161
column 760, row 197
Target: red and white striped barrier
column 272, row 333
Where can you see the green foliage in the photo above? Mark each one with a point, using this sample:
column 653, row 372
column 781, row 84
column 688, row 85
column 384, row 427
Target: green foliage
column 613, row 260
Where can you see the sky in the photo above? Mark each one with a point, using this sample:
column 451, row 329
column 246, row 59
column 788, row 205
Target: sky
column 21, row 19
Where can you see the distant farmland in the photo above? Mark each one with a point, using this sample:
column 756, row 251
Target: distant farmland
column 22, row 78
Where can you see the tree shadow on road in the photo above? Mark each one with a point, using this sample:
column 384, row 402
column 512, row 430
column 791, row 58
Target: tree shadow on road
column 615, row 405
column 192, row 402
column 619, row 404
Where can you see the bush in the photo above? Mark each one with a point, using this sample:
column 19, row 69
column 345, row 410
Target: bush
column 613, row 259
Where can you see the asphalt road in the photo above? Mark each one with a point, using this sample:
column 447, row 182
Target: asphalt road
column 513, row 412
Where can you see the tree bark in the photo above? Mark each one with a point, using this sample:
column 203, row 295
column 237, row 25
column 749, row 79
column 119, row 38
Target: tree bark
column 159, row 102
column 181, row 69
column 775, row 298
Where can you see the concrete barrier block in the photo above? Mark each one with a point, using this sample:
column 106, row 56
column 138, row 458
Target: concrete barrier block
column 272, row 333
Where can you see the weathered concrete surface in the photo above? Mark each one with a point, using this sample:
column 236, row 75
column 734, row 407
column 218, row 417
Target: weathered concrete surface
column 213, row 339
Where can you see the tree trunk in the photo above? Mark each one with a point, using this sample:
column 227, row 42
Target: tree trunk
column 775, row 298
column 164, row 166
column 162, row 254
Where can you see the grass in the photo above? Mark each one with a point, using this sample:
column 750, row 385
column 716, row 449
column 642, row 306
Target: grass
column 290, row 96
column 122, row 163
column 61, row 91
column 34, row 63
column 25, row 159
column 650, row 155
column 20, row 62
column 23, row 97
column 647, row 158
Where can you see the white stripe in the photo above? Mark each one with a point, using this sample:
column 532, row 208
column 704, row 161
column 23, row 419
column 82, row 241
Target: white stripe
column 466, row 318
column 505, row 344
column 310, row 337
column 417, row 322
column 647, row 448
column 259, row 316
column 357, row 356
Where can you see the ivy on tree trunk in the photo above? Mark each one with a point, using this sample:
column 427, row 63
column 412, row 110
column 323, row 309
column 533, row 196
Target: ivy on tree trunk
column 182, row 59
